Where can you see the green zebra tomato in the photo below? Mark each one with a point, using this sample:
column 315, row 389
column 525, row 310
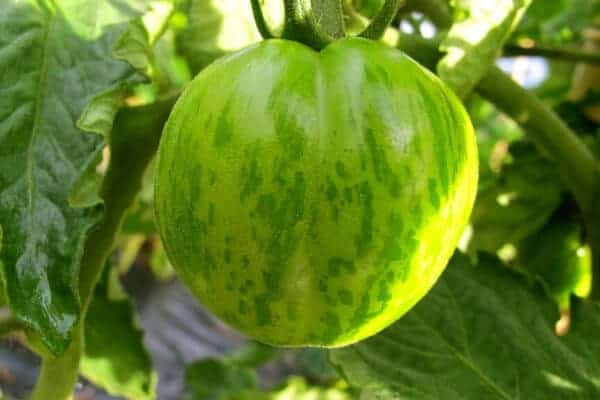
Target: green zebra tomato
column 312, row 198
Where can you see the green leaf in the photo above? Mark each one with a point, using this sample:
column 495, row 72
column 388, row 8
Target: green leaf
column 481, row 333
column 230, row 376
column 253, row 354
column 115, row 358
column 51, row 69
column 518, row 202
column 473, row 42
column 214, row 379
column 556, row 255
column 314, row 364
column 558, row 22
column 296, row 388
column 134, row 46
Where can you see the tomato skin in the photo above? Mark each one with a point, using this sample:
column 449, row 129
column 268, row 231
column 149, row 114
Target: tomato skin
column 312, row 198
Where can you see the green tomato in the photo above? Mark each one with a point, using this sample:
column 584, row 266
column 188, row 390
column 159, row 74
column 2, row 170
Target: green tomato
column 312, row 198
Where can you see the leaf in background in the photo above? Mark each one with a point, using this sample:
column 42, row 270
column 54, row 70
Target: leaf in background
column 214, row 379
column 517, row 203
column 556, row 255
column 296, row 388
column 230, row 376
column 115, row 358
column 217, row 27
column 558, row 22
column 481, row 333
column 314, row 364
column 49, row 74
column 472, row 43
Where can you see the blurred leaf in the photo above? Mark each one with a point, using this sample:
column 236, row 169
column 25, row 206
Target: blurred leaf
column 253, row 354
column 115, row 358
column 296, row 388
column 558, row 22
column 518, row 202
column 51, row 69
column 314, row 364
column 216, row 379
column 472, row 44
column 134, row 46
column 140, row 216
column 557, row 256
column 368, row 8
column 156, row 18
column 217, row 27
column 481, row 333
column 230, row 376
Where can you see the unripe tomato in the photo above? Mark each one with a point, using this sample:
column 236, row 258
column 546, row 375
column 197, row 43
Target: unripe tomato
column 312, row 198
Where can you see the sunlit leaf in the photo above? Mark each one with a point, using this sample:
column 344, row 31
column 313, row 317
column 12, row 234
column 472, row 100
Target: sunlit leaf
column 481, row 333
column 473, row 42
column 217, row 27
column 115, row 358
column 51, row 69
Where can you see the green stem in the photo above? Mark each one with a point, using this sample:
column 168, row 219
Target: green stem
column 58, row 376
column 554, row 53
column 382, row 20
column 133, row 142
column 259, row 20
column 315, row 27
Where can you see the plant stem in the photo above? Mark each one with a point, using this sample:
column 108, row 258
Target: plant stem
column 133, row 142
column 58, row 376
column 304, row 25
column 554, row 53
column 259, row 20
column 382, row 20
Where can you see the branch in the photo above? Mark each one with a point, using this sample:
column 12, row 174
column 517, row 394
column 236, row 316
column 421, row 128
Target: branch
column 554, row 53
column 259, row 19
column 382, row 20
column 133, row 142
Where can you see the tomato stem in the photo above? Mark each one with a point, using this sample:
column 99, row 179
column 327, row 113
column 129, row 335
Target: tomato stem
column 382, row 20
column 259, row 20
column 313, row 23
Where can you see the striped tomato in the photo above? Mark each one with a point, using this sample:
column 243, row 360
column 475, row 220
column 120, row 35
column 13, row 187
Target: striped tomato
column 312, row 198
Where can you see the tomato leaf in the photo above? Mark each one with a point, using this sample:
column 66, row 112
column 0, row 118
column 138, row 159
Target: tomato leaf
column 473, row 42
column 518, row 202
column 51, row 68
column 115, row 358
column 556, row 255
column 481, row 333
column 213, row 378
